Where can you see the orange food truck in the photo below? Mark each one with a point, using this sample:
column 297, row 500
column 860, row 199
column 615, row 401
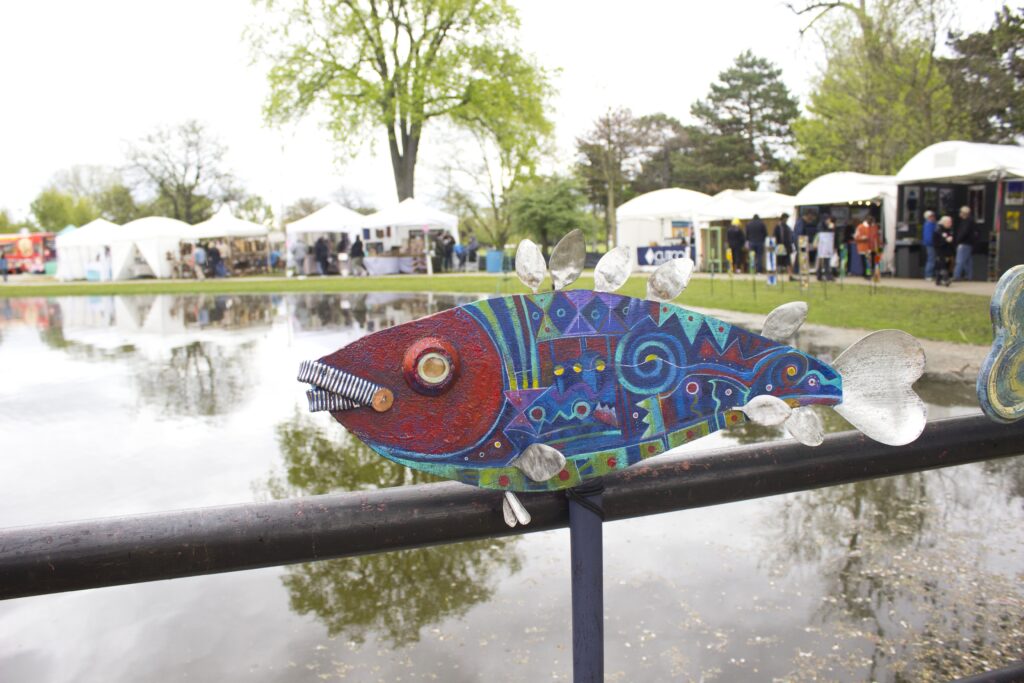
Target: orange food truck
column 30, row 252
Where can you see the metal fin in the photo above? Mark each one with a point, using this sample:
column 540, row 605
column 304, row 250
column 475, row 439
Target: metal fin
column 878, row 374
column 999, row 387
column 539, row 462
column 567, row 259
column 767, row 410
column 670, row 279
column 530, row 266
column 613, row 270
column 805, row 426
column 782, row 323
column 517, row 509
column 507, row 513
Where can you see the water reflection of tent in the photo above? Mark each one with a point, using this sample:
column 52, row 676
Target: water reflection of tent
column 154, row 326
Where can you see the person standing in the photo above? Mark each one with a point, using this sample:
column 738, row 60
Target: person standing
column 734, row 238
column 784, row 245
column 3, row 264
column 868, row 243
column 199, row 261
column 299, row 256
column 320, row 251
column 447, row 250
column 355, row 258
column 965, row 236
column 472, row 248
column 928, row 240
column 945, row 246
column 215, row 261
column 757, row 233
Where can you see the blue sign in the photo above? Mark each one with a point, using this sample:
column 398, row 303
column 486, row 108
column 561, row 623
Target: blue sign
column 655, row 256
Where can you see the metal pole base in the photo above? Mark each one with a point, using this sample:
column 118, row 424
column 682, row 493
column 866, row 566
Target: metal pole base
column 586, row 515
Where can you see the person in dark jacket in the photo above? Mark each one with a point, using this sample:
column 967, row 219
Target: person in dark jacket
column 757, row 233
column 355, row 258
column 735, row 238
column 945, row 246
column 805, row 226
column 320, row 252
column 965, row 236
column 783, row 245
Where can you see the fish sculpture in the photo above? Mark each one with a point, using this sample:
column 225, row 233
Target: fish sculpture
column 1000, row 383
column 542, row 391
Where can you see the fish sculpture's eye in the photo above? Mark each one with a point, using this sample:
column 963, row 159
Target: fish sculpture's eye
column 430, row 365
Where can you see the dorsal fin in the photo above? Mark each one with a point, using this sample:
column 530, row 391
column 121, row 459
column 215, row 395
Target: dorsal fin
column 783, row 322
column 567, row 259
column 670, row 279
column 530, row 266
column 613, row 270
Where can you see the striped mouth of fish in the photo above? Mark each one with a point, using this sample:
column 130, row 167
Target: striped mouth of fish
column 332, row 389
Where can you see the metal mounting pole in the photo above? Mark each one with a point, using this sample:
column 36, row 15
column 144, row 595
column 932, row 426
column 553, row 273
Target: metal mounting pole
column 586, row 515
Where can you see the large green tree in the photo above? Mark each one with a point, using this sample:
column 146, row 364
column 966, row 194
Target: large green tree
column 54, row 210
column 986, row 73
column 882, row 96
column 751, row 108
column 546, row 208
column 395, row 66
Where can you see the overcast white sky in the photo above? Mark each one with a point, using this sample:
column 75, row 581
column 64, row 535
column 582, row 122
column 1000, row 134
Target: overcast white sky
column 79, row 80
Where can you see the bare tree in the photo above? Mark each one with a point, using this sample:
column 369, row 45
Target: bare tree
column 182, row 169
column 609, row 155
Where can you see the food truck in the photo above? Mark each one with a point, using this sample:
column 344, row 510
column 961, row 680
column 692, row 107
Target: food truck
column 30, row 252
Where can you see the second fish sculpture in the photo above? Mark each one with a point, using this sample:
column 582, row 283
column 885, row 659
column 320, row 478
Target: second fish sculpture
column 537, row 392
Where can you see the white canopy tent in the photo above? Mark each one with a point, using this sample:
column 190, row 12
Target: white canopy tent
column 648, row 220
column 332, row 218
column 956, row 160
column 157, row 239
column 409, row 214
column 225, row 224
column 85, row 250
column 852, row 188
column 743, row 204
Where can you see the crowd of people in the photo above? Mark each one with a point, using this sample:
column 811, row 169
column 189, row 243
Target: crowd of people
column 825, row 241
column 949, row 247
column 345, row 256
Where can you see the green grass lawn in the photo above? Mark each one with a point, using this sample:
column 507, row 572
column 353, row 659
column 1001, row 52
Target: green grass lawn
column 941, row 315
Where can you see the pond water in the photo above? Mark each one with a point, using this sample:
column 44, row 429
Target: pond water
column 122, row 405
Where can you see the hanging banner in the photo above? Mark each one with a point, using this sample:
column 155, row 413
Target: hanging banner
column 655, row 256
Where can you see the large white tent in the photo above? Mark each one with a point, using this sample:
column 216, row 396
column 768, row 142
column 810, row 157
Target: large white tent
column 332, row 218
column 743, row 204
column 647, row 220
column 411, row 214
column 956, row 160
column 852, row 188
column 225, row 224
column 85, row 250
column 158, row 240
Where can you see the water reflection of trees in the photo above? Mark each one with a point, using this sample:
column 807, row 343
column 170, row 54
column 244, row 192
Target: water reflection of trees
column 393, row 595
column 909, row 596
column 200, row 378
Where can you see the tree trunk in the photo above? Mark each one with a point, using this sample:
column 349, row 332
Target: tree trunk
column 403, row 160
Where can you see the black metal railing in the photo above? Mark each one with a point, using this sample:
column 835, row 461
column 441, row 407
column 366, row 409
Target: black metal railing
column 104, row 552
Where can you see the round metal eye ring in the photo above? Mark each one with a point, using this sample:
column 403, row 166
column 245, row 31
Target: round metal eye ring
column 430, row 365
column 433, row 367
